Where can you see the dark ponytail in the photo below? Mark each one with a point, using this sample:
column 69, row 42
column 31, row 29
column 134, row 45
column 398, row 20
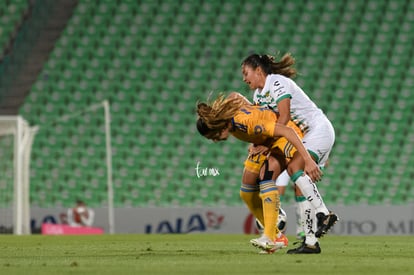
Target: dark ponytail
column 269, row 65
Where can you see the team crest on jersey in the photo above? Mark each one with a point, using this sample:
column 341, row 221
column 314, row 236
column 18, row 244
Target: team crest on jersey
column 258, row 130
column 269, row 99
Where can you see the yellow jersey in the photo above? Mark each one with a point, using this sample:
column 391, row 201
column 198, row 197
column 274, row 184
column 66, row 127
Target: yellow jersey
column 256, row 124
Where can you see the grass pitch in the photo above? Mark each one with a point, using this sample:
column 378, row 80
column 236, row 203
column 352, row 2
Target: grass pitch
column 199, row 254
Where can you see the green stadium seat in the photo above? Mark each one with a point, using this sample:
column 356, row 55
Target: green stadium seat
column 154, row 61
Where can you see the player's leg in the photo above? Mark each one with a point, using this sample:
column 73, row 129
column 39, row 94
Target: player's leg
column 319, row 146
column 319, row 142
column 281, row 182
column 249, row 190
column 250, row 194
column 271, row 238
column 270, row 196
column 305, row 184
column 310, row 244
column 300, row 223
column 325, row 222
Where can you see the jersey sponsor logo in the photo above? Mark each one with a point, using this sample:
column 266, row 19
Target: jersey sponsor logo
column 280, row 92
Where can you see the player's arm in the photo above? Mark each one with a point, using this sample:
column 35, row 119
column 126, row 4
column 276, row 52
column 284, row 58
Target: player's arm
column 282, row 98
column 284, row 111
column 311, row 168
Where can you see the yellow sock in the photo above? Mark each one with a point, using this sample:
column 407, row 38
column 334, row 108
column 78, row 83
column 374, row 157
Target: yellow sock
column 250, row 195
column 271, row 203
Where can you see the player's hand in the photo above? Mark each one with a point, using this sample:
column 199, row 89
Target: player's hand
column 313, row 170
column 258, row 149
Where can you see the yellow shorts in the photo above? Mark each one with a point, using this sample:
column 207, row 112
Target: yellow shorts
column 280, row 147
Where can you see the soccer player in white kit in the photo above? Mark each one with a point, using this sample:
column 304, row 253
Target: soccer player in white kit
column 273, row 86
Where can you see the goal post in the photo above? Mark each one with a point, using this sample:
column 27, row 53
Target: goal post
column 73, row 160
column 111, row 215
column 16, row 139
column 70, row 158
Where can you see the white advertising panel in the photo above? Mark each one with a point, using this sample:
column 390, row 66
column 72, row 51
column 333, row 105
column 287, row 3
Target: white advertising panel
column 354, row 220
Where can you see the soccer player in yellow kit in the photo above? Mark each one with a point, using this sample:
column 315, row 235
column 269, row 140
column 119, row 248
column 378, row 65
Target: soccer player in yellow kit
column 257, row 125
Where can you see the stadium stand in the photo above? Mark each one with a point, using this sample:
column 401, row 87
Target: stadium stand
column 11, row 17
column 153, row 60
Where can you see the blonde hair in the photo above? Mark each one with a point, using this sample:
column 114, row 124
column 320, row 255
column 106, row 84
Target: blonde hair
column 217, row 115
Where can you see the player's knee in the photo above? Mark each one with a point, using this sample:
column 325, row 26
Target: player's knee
column 270, row 169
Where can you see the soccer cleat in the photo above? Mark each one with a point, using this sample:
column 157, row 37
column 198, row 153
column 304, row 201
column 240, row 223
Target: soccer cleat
column 282, row 241
column 264, row 243
column 325, row 223
column 305, row 249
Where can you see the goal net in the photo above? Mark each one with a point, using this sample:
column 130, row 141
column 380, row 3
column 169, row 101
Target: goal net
column 71, row 161
column 16, row 138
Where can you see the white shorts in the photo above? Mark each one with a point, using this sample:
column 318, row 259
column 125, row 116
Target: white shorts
column 320, row 139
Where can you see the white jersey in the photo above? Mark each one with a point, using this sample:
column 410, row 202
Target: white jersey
column 277, row 87
column 319, row 133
